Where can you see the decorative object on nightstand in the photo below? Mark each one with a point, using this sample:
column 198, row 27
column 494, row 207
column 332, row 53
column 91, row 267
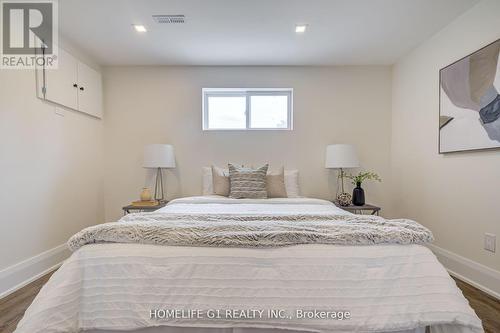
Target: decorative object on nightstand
column 159, row 156
column 358, row 194
column 146, row 194
column 371, row 209
column 143, row 206
column 340, row 157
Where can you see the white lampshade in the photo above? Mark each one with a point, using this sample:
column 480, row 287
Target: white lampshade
column 159, row 156
column 341, row 156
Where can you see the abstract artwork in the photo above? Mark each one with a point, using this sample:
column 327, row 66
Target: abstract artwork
column 469, row 102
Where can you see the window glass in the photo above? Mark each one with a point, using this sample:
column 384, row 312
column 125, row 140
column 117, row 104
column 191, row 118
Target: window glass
column 268, row 111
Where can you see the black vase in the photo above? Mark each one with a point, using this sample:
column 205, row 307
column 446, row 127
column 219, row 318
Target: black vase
column 358, row 195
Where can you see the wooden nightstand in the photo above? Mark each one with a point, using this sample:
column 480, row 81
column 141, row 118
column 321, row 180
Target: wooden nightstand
column 371, row 209
column 139, row 209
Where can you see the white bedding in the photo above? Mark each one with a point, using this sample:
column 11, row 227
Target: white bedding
column 386, row 288
column 223, row 205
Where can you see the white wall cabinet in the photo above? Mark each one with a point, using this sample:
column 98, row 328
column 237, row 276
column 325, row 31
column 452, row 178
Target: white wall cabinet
column 73, row 84
column 89, row 90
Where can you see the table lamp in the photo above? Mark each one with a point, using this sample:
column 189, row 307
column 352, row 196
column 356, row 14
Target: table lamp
column 340, row 157
column 159, row 156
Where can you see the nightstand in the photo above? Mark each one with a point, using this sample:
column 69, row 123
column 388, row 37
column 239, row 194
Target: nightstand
column 138, row 209
column 370, row 209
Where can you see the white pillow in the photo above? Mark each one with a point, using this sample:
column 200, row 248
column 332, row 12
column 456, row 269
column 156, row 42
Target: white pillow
column 291, row 182
column 208, row 185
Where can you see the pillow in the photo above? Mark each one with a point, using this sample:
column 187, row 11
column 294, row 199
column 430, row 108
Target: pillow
column 208, row 183
column 246, row 183
column 208, row 187
column 220, row 180
column 276, row 184
column 292, row 183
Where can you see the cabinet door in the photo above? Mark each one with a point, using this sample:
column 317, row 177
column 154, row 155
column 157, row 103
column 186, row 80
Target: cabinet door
column 89, row 90
column 60, row 83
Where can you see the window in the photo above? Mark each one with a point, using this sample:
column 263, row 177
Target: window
column 247, row 109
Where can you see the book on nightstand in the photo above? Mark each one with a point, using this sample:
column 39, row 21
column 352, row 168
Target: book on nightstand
column 149, row 203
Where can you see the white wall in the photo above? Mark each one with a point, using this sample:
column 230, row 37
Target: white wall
column 52, row 165
column 455, row 195
column 51, row 177
column 163, row 105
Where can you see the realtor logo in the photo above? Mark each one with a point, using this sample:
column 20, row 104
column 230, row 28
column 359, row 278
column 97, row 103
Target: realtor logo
column 29, row 34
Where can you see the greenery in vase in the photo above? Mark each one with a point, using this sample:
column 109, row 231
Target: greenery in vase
column 362, row 176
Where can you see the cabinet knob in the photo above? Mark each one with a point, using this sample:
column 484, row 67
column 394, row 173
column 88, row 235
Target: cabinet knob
column 75, row 85
column 82, row 89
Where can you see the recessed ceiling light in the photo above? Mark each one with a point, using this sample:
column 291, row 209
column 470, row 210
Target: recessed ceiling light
column 140, row 28
column 300, row 28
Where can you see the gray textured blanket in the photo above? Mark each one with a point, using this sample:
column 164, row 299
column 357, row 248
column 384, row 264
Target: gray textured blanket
column 229, row 230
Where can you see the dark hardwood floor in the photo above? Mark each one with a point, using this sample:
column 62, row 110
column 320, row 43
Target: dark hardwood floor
column 13, row 306
column 487, row 308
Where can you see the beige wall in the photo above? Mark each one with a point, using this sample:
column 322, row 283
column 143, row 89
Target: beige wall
column 51, row 171
column 456, row 195
column 163, row 105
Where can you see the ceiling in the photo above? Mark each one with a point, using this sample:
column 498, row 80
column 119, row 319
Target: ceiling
column 254, row 32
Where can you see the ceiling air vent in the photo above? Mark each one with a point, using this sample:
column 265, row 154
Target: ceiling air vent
column 164, row 19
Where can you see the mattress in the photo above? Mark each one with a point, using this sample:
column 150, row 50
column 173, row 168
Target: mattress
column 124, row 287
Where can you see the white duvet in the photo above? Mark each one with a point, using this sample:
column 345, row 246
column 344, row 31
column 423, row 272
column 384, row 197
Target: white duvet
column 384, row 288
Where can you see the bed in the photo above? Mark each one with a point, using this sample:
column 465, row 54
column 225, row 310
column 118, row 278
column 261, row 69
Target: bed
column 156, row 284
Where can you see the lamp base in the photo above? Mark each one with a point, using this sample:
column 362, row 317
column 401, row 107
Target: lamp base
column 159, row 196
column 344, row 199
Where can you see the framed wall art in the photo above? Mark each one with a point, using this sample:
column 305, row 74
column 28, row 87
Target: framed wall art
column 469, row 102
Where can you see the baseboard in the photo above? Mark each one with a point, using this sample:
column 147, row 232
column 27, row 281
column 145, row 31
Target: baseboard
column 475, row 274
column 19, row 275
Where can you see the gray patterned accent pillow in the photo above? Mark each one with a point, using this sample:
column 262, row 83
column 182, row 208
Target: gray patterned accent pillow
column 247, row 183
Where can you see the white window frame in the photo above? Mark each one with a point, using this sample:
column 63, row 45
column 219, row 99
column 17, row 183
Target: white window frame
column 247, row 92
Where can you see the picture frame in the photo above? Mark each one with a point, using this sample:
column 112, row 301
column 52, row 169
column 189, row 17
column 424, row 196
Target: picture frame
column 469, row 102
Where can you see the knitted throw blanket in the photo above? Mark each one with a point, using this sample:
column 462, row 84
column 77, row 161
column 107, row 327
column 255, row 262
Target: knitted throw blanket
column 257, row 231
